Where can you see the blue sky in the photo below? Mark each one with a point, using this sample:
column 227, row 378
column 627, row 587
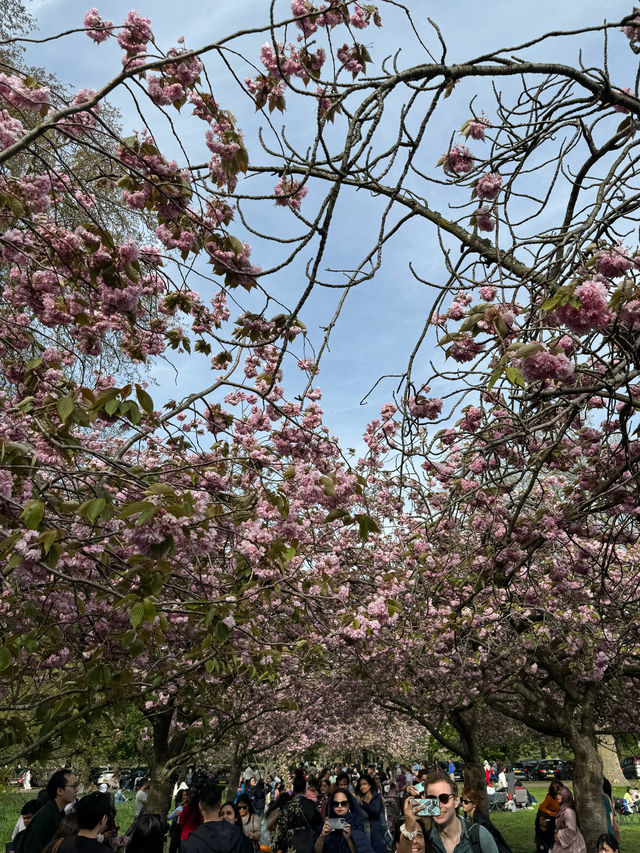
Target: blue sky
column 383, row 317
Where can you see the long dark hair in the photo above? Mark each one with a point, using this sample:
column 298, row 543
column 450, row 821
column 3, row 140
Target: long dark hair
column 148, row 835
column 245, row 799
column 366, row 777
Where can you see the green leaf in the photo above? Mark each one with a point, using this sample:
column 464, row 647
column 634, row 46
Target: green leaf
column 138, row 506
column 47, row 539
column 111, row 406
column 497, row 373
column 94, row 508
column 161, row 489
column 5, row 658
column 64, row 405
column 33, row 514
column 367, row 525
column 515, row 377
column 146, row 403
column 136, row 614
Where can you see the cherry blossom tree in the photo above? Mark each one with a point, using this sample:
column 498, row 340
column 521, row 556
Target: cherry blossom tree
column 145, row 547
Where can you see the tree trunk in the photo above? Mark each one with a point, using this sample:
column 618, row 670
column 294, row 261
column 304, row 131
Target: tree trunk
column 160, row 791
column 587, row 787
column 159, row 798
column 610, row 761
column 234, row 777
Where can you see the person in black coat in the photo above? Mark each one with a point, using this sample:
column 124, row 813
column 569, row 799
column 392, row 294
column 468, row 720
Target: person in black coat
column 215, row 835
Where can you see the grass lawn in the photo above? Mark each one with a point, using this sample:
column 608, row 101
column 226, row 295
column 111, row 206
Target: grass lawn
column 517, row 827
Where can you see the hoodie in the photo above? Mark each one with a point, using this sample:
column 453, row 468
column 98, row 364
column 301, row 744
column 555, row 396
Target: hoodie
column 218, row 836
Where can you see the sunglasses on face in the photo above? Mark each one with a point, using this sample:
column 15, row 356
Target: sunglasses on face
column 444, row 798
column 242, row 806
column 341, row 803
column 464, row 801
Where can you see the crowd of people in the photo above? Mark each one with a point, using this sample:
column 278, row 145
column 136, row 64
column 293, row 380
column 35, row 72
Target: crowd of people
column 333, row 810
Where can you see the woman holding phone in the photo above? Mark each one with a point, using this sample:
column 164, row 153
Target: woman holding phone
column 343, row 828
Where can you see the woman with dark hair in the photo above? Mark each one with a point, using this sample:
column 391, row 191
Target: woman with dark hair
column 148, row 835
column 373, row 807
column 607, row 843
column 613, row 827
column 474, row 806
column 230, row 811
column 545, row 824
column 190, row 819
column 410, row 835
column 250, row 820
column 351, row 836
column 325, row 792
column 568, row 837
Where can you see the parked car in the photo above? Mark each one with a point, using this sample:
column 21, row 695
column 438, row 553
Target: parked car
column 552, row 768
column 529, row 765
column 631, row 767
column 520, row 771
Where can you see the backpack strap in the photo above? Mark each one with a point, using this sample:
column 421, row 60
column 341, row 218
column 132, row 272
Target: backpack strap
column 474, row 837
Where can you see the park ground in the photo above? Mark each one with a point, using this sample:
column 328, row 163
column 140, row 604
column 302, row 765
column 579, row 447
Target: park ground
column 517, row 827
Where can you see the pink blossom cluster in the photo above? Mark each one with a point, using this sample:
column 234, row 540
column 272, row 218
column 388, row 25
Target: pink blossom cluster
column 11, row 129
column 133, row 38
column 472, row 419
column 593, row 312
column 484, row 219
column 458, row 160
column 424, row 407
column 289, row 193
column 465, row 348
column 81, row 122
column 475, row 127
column 349, row 61
column 312, row 17
column 488, row 186
column 235, row 265
column 544, row 364
column 266, row 89
column 97, row 29
column 175, row 81
column 614, row 262
column 630, row 314
column 14, row 92
column 488, row 292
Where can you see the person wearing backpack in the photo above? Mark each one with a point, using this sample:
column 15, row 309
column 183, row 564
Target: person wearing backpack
column 449, row 834
column 474, row 806
column 299, row 823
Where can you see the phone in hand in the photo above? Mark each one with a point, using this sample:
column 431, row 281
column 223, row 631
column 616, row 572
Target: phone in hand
column 429, row 807
column 338, row 822
column 419, row 788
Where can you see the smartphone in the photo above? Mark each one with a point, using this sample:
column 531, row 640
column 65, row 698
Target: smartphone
column 430, row 807
column 419, row 788
column 338, row 822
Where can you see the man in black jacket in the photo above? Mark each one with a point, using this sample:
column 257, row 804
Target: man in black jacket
column 61, row 789
column 215, row 835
